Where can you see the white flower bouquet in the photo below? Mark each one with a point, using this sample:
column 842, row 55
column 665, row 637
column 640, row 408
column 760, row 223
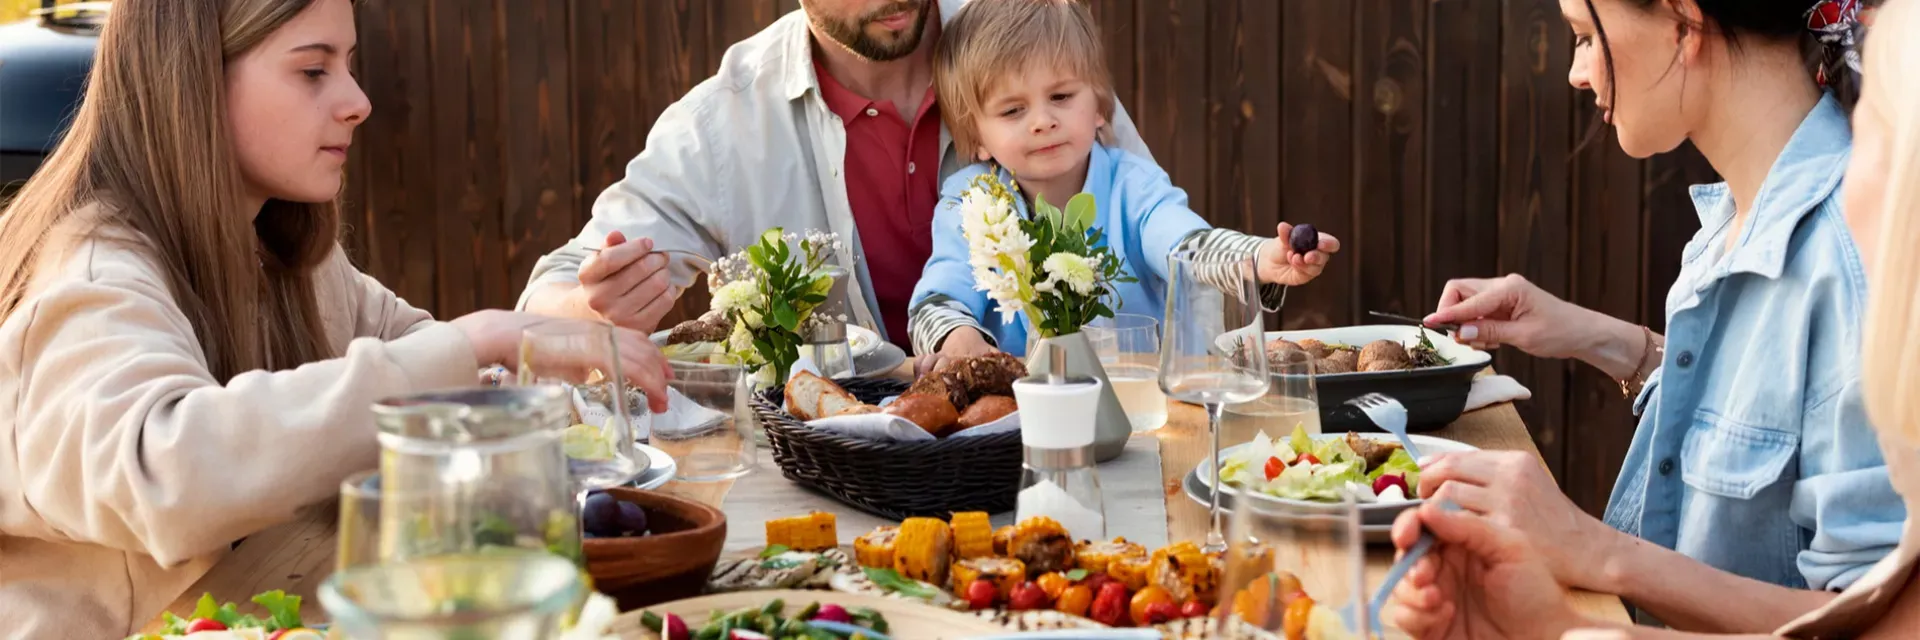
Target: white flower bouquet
column 1053, row 265
column 769, row 291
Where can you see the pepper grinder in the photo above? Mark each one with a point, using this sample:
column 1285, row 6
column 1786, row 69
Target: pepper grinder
column 1058, row 478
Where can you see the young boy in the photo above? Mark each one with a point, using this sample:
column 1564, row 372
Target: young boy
column 1023, row 87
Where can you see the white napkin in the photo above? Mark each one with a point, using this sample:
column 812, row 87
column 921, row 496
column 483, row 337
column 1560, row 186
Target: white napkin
column 683, row 417
column 1492, row 390
column 891, row 428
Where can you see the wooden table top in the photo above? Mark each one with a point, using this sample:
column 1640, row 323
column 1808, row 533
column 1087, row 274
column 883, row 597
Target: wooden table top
column 298, row 555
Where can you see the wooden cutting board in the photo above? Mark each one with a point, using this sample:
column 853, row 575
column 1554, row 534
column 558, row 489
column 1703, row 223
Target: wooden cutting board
column 904, row 619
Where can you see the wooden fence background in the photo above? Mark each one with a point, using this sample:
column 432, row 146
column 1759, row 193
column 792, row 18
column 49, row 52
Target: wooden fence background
column 1437, row 138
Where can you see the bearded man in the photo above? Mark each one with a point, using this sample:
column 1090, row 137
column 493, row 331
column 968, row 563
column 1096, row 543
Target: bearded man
column 824, row 120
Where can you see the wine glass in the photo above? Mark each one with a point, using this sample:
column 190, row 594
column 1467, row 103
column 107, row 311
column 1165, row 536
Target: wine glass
column 1294, row 565
column 1292, row 400
column 1129, row 348
column 584, row 359
column 708, row 425
column 1213, row 353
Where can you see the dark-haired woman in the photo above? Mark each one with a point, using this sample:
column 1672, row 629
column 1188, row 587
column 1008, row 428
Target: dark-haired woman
column 1754, row 486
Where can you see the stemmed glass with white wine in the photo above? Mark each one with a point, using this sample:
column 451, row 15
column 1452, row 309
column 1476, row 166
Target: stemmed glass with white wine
column 1213, row 351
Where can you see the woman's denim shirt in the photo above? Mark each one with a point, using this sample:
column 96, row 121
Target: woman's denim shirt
column 1753, row 453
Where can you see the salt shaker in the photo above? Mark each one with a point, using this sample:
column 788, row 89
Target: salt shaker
column 1058, row 478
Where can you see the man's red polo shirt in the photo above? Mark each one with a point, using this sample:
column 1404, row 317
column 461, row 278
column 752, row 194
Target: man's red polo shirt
column 892, row 173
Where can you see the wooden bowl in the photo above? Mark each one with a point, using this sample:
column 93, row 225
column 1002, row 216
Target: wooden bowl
column 672, row 563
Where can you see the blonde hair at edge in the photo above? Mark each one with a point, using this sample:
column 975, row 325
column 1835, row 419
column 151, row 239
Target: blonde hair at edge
column 150, row 143
column 1892, row 361
column 990, row 39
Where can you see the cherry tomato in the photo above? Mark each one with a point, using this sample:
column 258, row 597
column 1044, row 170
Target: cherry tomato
column 1053, row 583
column 1294, row 621
column 1026, row 597
column 1097, row 581
column 1308, row 458
column 1075, row 600
column 1193, row 609
column 980, row 594
column 1110, row 606
column 1274, row 467
column 1160, row 612
column 205, row 624
column 1145, row 598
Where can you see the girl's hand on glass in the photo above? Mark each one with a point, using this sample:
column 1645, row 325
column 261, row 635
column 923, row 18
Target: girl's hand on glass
column 495, row 335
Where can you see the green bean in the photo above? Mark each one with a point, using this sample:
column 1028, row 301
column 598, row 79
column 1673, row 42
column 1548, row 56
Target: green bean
column 774, row 607
column 806, row 612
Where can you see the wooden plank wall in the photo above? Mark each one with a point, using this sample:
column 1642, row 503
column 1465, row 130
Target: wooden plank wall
column 1438, row 138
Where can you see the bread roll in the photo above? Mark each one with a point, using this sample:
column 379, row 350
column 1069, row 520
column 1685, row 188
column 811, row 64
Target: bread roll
column 944, row 383
column 930, row 412
column 811, row 397
column 986, row 410
column 991, row 374
column 1317, row 348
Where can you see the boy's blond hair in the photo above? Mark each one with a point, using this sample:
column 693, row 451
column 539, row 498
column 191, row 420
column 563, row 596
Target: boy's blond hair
column 987, row 40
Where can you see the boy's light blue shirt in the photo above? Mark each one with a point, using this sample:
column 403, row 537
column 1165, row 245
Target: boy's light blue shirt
column 1753, row 453
column 1143, row 215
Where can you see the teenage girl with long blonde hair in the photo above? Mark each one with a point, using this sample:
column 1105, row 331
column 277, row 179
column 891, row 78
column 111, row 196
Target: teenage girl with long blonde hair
column 186, row 355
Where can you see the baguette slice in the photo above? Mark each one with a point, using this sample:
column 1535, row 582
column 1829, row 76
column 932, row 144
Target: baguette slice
column 811, row 397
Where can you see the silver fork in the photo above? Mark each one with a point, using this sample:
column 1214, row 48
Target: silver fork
column 1389, row 415
column 698, row 261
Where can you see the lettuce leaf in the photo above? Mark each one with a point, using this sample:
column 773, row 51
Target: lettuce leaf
column 283, row 610
column 1301, row 442
column 1336, row 451
column 1400, row 463
column 1323, row 483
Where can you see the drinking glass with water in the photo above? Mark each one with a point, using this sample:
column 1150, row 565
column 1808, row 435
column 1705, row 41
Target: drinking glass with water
column 708, row 425
column 1129, row 348
column 1291, row 400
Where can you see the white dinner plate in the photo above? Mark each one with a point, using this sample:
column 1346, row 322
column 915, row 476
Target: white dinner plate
column 660, row 468
column 1372, row 513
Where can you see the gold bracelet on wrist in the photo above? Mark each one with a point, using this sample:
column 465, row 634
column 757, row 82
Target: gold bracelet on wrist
column 1650, row 357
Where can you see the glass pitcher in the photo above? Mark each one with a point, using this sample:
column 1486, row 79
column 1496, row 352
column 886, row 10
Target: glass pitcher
column 469, row 470
column 519, row 594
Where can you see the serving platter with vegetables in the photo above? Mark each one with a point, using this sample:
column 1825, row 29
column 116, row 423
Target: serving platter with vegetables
column 1030, row 576
column 788, row 613
column 1371, row 468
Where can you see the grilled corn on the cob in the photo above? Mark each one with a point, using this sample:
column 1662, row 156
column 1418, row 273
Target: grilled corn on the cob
column 1184, row 572
column 1004, row 573
column 1043, row 544
column 923, row 550
column 1002, row 537
column 1095, row 556
column 1130, row 571
column 875, row 548
column 812, row 532
column 972, row 534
